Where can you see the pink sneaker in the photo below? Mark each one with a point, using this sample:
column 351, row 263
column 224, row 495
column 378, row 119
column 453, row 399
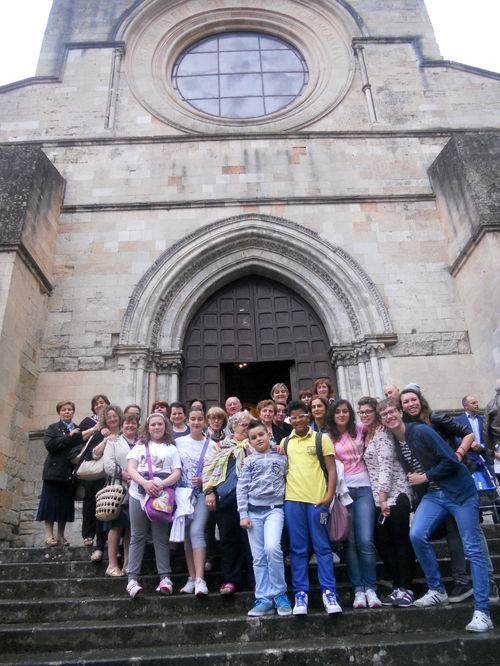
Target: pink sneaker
column 165, row 586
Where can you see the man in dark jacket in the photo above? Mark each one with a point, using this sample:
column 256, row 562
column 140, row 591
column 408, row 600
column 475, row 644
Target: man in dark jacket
column 449, row 489
column 492, row 422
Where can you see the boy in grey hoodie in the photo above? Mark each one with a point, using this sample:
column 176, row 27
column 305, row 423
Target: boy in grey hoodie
column 260, row 494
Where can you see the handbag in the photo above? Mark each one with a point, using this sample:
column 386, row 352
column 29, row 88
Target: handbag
column 109, row 499
column 339, row 522
column 90, row 470
column 226, row 491
column 159, row 508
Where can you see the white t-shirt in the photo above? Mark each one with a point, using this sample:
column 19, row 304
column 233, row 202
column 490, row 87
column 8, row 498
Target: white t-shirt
column 164, row 459
column 190, row 451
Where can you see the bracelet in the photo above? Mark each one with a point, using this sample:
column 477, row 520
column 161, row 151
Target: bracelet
column 459, row 455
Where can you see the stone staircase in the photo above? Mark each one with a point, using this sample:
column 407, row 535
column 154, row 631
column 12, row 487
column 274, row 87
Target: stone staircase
column 56, row 607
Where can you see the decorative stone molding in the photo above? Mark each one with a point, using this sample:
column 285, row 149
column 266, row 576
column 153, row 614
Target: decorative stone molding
column 156, row 33
column 180, row 280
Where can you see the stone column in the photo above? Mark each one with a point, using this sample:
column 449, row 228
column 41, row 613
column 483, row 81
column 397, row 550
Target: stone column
column 169, row 365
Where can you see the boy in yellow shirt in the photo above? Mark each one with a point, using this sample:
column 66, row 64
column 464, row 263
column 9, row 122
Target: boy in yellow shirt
column 307, row 501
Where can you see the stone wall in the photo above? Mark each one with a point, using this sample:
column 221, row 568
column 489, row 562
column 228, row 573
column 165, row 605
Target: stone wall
column 465, row 179
column 30, row 195
column 138, row 179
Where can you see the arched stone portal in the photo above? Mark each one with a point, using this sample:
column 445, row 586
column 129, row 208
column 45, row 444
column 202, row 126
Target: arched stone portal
column 164, row 302
column 249, row 335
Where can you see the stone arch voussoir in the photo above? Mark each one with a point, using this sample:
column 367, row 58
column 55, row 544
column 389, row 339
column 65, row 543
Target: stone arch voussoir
column 183, row 277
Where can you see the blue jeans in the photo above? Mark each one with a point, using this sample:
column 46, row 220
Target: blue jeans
column 265, row 542
column 359, row 549
column 303, row 520
column 432, row 510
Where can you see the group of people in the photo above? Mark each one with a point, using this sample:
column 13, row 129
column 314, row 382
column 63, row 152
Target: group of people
column 269, row 481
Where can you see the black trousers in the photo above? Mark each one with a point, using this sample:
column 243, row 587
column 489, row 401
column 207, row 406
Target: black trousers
column 392, row 541
column 91, row 527
column 235, row 554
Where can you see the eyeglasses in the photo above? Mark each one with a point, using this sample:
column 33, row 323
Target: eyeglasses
column 298, row 417
column 243, row 425
column 215, row 418
column 389, row 412
column 365, row 412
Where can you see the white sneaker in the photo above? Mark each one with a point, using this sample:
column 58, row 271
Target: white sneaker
column 330, row 603
column 359, row 600
column 188, row 587
column 133, row 588
column 336, row 558
column 200, row 587
column 372, row 600
column 301, row 600
column 480, row 622
column 165, row 586
column 431, row 598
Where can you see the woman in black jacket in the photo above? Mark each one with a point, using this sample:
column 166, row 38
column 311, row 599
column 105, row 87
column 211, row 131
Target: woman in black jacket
column 57, row 502
column 91, row 429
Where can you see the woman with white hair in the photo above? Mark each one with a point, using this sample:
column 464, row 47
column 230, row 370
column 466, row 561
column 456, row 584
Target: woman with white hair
column 220, row 474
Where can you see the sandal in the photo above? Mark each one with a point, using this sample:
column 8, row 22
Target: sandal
column 115, row 571
column 88, row 542
column 63, row 542
column 96, row 556
column 50, row 541
column 227, row 588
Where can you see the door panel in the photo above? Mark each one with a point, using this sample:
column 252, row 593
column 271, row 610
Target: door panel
column 253, row 320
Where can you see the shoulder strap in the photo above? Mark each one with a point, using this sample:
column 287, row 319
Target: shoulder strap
column 319, row 453
column 150, row 466
column 285, row 445
column 202, row 457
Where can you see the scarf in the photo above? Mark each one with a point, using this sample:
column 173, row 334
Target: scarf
column 215, row 466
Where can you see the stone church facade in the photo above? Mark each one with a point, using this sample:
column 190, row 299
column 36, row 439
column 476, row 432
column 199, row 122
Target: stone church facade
column 192, row 190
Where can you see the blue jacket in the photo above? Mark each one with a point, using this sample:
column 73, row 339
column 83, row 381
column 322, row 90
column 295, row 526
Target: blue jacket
column 262, row 481
column 441, row 465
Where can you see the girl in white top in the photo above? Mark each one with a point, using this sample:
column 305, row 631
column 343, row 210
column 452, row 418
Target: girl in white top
column 191, row 448
column 166, row 466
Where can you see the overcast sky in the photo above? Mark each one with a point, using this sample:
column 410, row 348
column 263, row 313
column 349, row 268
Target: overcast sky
column 466, row 31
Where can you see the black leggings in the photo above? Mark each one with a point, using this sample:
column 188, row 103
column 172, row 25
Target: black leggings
column 392, row 541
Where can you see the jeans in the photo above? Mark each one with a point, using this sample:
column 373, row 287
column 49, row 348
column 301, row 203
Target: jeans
column 265, row 542
column 457, row 556
column 304, row 520
column 432, row 510
column 359, row 550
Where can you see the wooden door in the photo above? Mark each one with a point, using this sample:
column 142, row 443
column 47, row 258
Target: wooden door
column 253, row 320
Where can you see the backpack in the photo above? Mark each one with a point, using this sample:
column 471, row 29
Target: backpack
column 319, row 453
column 339, row 520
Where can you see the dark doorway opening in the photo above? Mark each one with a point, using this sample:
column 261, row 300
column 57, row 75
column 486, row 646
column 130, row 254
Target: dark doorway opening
column 252, row 382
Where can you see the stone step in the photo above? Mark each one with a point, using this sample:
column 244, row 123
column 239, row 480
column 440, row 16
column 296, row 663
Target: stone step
column 117, row 603
column 78, row 568
column 173, row 631
column 102, row 586
column 81, row 553
column 412, row 647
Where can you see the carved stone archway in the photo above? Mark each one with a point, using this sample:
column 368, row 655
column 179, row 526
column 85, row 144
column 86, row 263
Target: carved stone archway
column 181, row 279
